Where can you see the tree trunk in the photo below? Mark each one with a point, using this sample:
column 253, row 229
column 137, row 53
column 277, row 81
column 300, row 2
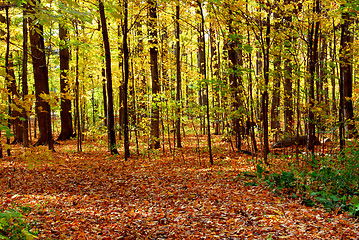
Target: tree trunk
column 288, row 89
column 265, row 147
column 65, row 113
column 155, row 112
column 178, row 73
column 77, row 97
column 110, row 113
column 346, row 72
column 234, row 79
column 202, row 32
column 25, row 90
column 41, row 77
column 125, row 84
column 313, row 59
column 11, row 86
column 275, row 120
column 7, row 70
column 201, row 68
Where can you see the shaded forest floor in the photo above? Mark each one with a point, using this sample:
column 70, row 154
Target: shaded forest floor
column 159, row 195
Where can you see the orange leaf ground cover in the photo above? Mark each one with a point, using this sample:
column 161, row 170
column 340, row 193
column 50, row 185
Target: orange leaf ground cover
column 159, row 195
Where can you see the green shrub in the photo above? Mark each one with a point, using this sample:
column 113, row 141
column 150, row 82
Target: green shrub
column 330, row 181
column 14, row 225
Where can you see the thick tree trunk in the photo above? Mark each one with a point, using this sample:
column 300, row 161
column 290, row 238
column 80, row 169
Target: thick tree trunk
column 65, row 113
column 43, row 110
column 155, row 111
column 110, row 112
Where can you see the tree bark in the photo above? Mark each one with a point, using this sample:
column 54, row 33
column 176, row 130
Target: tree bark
column 313, row 59
column 202, row 32
column 65, row 113
column 155, row 112
column 41, row 77
column 110, row 112
column 125, row 84
column 346, row 72
column 178, row 74
column 266, row 46
column 25, row 90
column 235, row 58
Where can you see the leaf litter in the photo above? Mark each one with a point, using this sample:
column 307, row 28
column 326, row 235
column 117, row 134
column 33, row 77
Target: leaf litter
column 90, row 195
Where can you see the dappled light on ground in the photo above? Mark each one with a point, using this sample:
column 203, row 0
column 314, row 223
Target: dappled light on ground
column 93, row 195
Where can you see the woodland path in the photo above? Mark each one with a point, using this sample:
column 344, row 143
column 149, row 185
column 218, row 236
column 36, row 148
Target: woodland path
column 92, row 195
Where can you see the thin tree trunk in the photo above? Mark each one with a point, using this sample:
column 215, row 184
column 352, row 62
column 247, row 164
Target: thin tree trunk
column 346, row 72
column 178, row 72
column 205, row 77
column 275, row 120
column 7, row 70
column 110, row 113
column 104, row 95
column 265, row 92
column 77, row 100
column 125, row 84
column 313, row 59
column 25, row 90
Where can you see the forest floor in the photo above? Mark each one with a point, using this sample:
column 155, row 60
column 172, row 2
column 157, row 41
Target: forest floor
column 158, row 195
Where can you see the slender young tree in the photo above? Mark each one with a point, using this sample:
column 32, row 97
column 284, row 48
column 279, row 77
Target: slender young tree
column 313, row 59
column 110, row 112
column 266, row 46
column 8, row 71
column 178, row 74
column 346, row 71
column 125, row 84
column 202, row 32
column 25, row 91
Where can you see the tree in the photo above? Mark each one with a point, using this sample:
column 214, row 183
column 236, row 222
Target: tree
column 313, row 59
column 125, row 84
column 203, row 44
column 235, row 58
column 178, row 75
column 110, row 113
column 155, row 113
column 41, row 77
column 346, row 71
column 25, row 91
column 65, row 113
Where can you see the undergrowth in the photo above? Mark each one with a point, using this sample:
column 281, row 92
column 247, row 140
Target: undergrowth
column 329, row 181
column 15, row 225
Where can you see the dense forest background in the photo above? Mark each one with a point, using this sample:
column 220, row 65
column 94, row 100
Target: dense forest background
column 224, row 119
column 253, row 71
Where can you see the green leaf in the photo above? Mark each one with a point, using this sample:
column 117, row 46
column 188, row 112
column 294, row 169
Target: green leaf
column 355, row 201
